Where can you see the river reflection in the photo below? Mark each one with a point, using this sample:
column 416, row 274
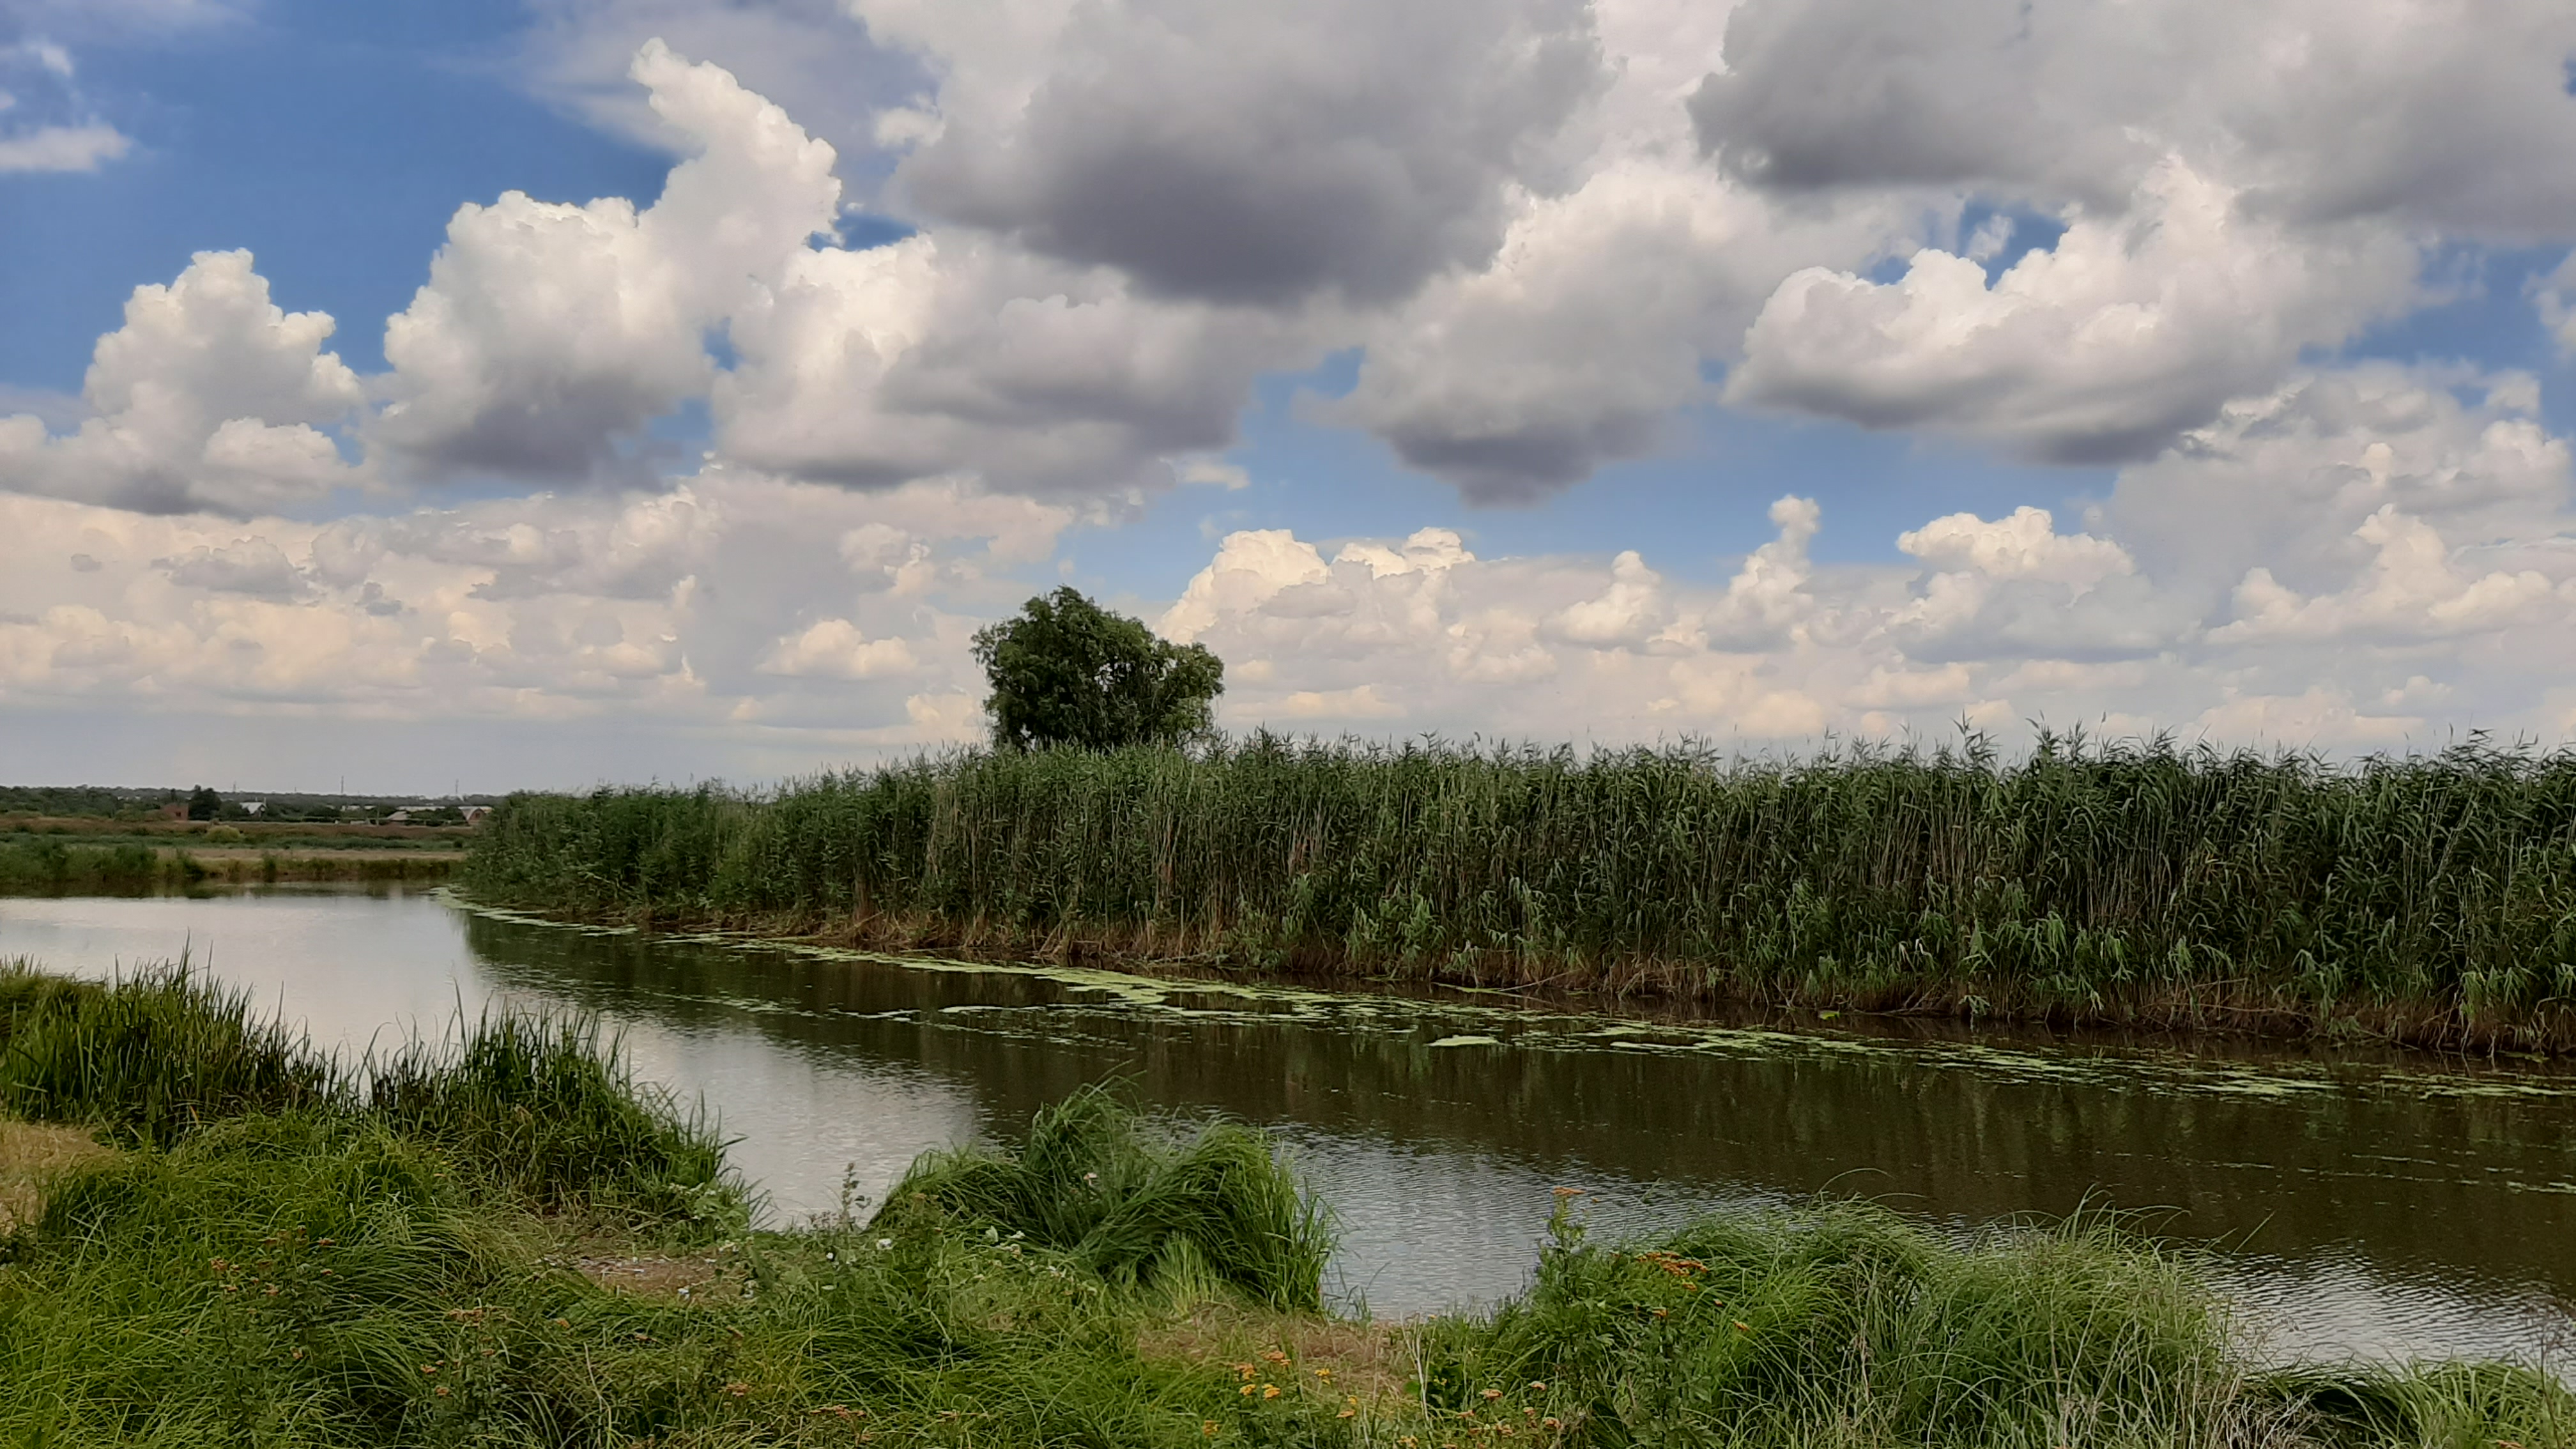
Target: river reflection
column 2359, row 1205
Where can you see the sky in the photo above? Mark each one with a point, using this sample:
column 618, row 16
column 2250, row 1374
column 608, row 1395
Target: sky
column 539, row 393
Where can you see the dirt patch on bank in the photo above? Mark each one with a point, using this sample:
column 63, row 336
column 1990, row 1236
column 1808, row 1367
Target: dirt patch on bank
column 1372, row 1361
column 709, row 1278
column 33, row 1155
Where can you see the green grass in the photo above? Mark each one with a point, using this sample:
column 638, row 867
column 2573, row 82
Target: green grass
column 397, row 1264
column 2429, row 898
column 537, row 1109
column 262, row 835
column 1843, row 1324
column 547, row 1111
column 42, row 863
column 148, row 1058
column 1095, row 1183
column 108, row 865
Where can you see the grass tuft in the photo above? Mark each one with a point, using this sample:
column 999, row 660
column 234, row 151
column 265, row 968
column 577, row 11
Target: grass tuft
column 1143, row 1210
column 538, row 1108
column 546, row 1109
column 149, row 1057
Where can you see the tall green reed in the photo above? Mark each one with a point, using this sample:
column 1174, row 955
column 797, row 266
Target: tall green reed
column 2429, row 896
column 51, row 865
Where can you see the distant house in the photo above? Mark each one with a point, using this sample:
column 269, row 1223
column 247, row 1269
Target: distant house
column 474, row 813
column 253, row 807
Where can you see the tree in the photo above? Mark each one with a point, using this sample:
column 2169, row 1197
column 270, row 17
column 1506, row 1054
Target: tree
column 1068, row 672
column 204, row 803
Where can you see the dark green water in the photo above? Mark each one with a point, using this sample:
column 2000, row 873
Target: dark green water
column 2361, row 1202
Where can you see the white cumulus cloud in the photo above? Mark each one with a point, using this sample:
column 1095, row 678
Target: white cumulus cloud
column 549, row 332
column 208, row 397
column 2133, row 327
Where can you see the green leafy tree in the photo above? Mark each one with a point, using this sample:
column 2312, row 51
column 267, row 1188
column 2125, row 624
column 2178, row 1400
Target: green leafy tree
column 204, row 803
column 1068, row 672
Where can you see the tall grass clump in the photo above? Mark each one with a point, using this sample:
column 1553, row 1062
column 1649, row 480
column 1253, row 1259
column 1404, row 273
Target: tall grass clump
column 2424, row 897
column 540, row 1109
column 149, row 1057
column 1141, row 1208
column 1843, row 1324
column 546, row 1109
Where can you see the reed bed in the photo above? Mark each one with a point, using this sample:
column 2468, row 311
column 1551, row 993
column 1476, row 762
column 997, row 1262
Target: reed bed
column 2427, row 898
column 357, row 1274
column 47, row 864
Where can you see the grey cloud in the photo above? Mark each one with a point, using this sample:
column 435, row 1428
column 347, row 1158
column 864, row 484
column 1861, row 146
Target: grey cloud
column 2295, row 471
column 2128, row 618
column 2130, row 329
column 343, row 553
column 251, row 566
column 1261, row 153
column 1524, row 462
column 2323, row 111
column 1581, row 342
column 1033, row 376
column 809, row 56
column 530, row 560
column 60, row 412
column 549, row 334
column 1837, row 93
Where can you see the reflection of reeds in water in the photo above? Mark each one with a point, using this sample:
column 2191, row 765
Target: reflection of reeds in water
column 2429, row 898
column 436, row 1249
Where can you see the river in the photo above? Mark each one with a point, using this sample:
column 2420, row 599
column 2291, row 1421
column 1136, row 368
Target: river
column 2355, row 1202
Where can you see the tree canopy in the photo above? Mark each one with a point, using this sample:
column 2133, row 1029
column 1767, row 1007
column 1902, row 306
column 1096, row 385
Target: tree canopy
column 1068, row 672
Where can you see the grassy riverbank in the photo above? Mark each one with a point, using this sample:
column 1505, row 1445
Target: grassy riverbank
column 508, row 1242
column 2428, row 899
column 40, row 865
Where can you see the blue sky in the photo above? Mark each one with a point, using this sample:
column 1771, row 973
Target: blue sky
column 1714, row 390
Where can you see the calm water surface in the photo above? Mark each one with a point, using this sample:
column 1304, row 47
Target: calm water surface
column 2359, row 1204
